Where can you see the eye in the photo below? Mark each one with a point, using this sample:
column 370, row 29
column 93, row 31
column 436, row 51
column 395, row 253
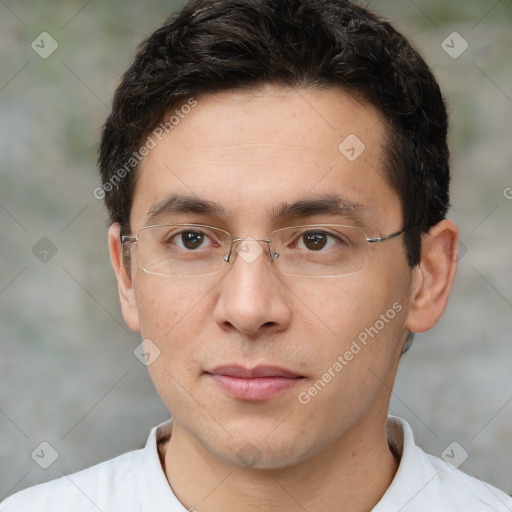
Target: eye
column 318, row 240
column 189, row 239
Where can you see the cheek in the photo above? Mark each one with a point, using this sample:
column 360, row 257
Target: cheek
column 164, row 303
column 356, row 365
column 359, row 310
column 347, row 304
column 173, row 315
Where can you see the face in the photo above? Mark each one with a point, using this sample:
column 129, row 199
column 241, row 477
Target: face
column 323, row 352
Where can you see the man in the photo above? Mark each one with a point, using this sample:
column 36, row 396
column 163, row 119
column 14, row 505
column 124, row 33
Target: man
column 277, row 179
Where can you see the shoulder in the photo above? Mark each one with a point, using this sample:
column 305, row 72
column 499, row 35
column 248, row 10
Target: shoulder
column 460, row 491
column 106, row 486
column 424, row 483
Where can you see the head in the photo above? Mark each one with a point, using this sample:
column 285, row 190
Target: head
column 237, row 115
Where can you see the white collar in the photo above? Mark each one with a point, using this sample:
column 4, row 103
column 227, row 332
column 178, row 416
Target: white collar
column 422, row 482
column 153, row 489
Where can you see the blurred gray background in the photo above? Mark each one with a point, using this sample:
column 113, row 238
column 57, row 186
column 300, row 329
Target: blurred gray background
column 68, row 373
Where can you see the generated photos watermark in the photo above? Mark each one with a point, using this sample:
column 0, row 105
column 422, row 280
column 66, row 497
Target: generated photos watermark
column 304, row 397
column 151, row 142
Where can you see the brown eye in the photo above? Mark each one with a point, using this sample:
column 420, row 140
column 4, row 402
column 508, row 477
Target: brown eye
column 315, row 240
column 191, row 239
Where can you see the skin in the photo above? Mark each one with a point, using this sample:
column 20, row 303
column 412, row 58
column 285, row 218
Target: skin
column 249, row 152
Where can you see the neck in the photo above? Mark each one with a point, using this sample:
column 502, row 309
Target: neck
column 351, row 474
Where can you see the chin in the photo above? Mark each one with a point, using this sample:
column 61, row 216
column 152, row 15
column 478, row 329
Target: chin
column 259, row 450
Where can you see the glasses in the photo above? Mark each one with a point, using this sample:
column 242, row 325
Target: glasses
column 186, row 250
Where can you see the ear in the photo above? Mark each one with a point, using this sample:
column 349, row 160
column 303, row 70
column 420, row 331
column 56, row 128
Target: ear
column 124, row 281
column 432, row 278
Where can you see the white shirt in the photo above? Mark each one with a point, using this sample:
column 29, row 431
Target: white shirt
column 136, row 481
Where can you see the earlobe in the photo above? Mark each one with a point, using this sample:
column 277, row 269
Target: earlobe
column 433, row 277
column 125, row 288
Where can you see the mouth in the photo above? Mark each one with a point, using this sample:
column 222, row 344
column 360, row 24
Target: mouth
column 253, row 384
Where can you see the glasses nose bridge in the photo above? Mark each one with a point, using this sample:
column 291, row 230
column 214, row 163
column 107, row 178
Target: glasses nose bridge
column 270, row 252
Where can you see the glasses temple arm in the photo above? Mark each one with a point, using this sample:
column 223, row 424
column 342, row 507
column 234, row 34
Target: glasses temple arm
column 128, row 238
column 384, row 238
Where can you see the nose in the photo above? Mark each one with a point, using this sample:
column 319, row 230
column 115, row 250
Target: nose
column 252, row 298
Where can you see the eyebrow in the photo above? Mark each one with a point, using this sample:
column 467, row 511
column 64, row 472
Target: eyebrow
column 332, row 204
column 176, row 203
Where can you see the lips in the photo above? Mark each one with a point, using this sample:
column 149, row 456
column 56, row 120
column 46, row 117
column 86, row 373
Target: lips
column 253, row 384
column 258, row 372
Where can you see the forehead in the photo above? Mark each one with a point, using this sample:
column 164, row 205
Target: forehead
column 253, row 152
